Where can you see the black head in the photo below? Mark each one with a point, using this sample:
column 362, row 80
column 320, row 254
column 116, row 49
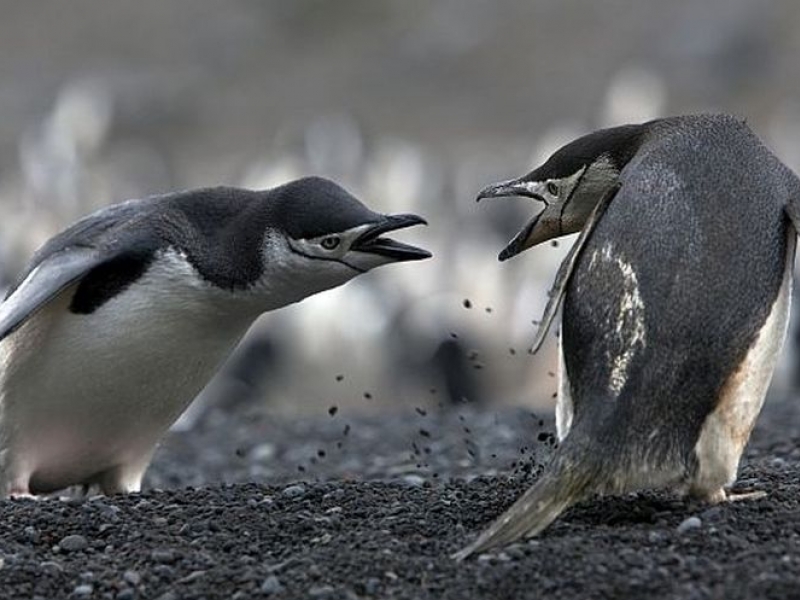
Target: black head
column 323, row 221
column 570, row 183
column 295, row 239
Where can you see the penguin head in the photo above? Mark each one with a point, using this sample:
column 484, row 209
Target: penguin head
column 570, row 183
column 318, row 236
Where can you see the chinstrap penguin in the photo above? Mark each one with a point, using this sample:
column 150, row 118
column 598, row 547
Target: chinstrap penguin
column 675, row 306
column 121, row 319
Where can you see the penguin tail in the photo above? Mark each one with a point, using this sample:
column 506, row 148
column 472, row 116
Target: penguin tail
column 568, row 479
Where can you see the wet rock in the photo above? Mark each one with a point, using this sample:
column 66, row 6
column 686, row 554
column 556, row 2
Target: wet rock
column 690, row 524
column 271, row 585
column 83, row 590
column 294, row 491
column 132, row 577
column 74, row 543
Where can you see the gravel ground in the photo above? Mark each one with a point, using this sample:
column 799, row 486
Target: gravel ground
column 342, row 506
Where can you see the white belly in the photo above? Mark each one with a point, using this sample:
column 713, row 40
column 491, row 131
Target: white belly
column 80, row 394
column 727, row 429
column 564, row 403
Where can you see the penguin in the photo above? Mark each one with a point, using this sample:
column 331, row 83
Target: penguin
column 120, row 320
column 675, row 306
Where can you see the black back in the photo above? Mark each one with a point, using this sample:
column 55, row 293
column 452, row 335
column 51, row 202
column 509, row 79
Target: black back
column 221, row 231
column 699, row 219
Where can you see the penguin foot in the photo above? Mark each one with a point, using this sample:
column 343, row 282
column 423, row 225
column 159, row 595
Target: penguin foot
column 745, row 495
column 719, row 496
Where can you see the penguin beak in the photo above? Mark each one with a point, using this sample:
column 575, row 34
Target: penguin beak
column 371, row 241
column 512, row 187
column 544, row 226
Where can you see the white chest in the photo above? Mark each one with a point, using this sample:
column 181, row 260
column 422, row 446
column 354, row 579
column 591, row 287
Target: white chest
column 81, row 392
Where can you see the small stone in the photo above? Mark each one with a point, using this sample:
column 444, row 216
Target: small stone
column 51, row 567
column 31, row 534
column 319, row 591
column 160, row 521
column 333, row 410
column 655, row 537
column 294, row 491
column 126, row 594
column 372, row 586
column 413, row 480
column 689, row 524
column 74, row 543
column 193, row 576
column 109, row 512
column 85, row 589
column 467, row 303
column 515, row 552
column 161, row 555
column 711, row 513
column 271, row 585
column 132, row 577
column 164, row 572
column 777, row 463
column 168, row 596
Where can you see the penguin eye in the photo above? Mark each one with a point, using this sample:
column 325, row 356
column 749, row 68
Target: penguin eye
column 331, row 242
column 552, row 188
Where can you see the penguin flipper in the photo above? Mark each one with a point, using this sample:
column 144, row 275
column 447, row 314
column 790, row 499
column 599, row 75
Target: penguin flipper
column 567, row 266
column 45, row 282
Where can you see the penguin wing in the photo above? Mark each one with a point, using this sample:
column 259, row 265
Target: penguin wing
column 95, row 240
column 44, row 282
column 568, row 265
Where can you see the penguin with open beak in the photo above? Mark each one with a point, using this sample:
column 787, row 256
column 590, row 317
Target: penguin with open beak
column 121, row 319
column 675, row 305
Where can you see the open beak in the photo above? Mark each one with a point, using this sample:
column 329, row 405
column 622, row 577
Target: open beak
column 544, row 226
column 371, row 240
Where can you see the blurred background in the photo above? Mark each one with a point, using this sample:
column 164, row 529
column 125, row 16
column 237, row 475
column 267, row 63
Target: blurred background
column 413, row 106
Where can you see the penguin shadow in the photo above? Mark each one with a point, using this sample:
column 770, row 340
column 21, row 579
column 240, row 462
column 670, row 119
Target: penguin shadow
column 631, row 510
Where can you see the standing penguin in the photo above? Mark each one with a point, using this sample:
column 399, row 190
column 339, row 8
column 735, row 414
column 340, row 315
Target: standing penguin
column 676, row 298
column 120, row 320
